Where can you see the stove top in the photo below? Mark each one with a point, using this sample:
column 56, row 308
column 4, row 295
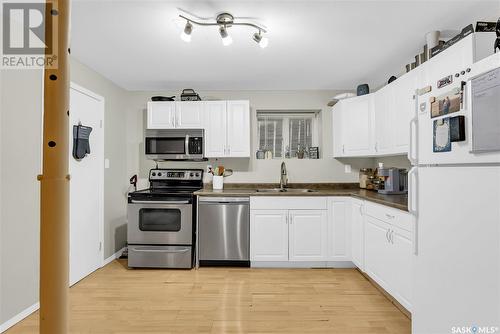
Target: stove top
column 169, row 184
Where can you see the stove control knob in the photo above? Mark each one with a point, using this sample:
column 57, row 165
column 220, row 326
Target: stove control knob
column 467, row 70
column 462, row 73
column 198, row 174
column 457, row 75
column 159, row 173
column 192, row 174
column 153, row 174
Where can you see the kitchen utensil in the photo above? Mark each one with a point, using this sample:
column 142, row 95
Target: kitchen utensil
column 364, row 177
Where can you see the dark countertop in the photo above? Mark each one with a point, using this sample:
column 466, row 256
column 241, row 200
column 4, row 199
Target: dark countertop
column 321, row 189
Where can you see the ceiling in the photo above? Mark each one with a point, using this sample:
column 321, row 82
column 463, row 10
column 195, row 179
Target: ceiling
column 312, row 44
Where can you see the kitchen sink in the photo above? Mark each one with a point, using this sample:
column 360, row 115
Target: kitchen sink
column 286, row 190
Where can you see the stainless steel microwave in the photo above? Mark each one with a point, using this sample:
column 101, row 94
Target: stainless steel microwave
column 175, row 144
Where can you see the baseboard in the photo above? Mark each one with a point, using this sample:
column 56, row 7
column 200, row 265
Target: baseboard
column 302, row 264
column 18, row 317
column 113, row 257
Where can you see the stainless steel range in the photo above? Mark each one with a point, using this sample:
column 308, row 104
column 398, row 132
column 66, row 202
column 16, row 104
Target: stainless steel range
column 161, row 219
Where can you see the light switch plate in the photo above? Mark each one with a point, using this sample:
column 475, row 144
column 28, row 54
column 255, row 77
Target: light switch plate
column 347, row 168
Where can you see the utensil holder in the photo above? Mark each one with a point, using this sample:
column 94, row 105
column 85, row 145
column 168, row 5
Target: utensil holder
column 218, row 182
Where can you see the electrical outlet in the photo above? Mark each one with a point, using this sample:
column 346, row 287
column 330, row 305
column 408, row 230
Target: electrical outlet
column 347, row 168
column 209, row 167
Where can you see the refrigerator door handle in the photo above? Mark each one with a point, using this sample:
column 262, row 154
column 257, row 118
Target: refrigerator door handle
column 413, row 142
column 413, row 204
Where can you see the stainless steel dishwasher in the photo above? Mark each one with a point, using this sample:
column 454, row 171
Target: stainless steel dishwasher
column 224, row 231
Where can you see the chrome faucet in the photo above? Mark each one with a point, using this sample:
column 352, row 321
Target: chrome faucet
column 283, row 176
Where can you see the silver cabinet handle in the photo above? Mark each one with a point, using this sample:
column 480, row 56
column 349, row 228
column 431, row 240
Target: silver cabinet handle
column 387, row 235
column 343, row 148
column 389, row 216
column 391, row 237
column 176, row 251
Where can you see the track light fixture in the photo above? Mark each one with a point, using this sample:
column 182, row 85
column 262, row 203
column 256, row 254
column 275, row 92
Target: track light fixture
column 224, row 21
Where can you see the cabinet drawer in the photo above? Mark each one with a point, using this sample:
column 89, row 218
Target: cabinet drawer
column 389, row 215
column 288, row 202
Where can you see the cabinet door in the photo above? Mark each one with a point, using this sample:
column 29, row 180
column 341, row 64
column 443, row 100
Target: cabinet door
column 161, row 115
column 308, row 235
column 337, row 129
column 339, row 231
column 378, row 251
column 404, row 110
column 215, row 128
column 401, row 255
column 238, row 129
column 189, row 114
column 268, row 235
column 384, row 125
column 357, row 234
column 357, row 122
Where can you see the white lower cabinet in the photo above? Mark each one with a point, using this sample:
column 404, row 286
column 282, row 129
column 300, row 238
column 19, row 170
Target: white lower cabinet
column 388, row 246
column 339, row 229
column 357, row 234
column 307, row 233
column 269, row 235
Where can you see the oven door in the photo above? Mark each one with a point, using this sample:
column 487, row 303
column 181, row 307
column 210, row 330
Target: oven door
column 160, row 223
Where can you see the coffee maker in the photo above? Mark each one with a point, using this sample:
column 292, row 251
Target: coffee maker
column 395, row 181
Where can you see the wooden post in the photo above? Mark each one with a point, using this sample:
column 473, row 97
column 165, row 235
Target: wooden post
column 54, row 224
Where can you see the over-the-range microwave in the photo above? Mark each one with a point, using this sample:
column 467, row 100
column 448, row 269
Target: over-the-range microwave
column 175, row 144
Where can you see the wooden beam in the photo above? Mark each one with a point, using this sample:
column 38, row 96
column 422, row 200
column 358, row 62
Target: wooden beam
column 54, row 218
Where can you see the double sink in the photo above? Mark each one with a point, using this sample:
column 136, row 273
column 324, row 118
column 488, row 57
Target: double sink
column 285, row 190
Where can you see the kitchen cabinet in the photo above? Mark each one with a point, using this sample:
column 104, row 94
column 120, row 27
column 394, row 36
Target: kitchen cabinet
column 269, row 235
column 307, row 235
column 189, row 114
column 339, row 229
column 161, row 115
column 238, row 129
column 404, row 109
column 388, row 246
column 354, row 127
column 384, row 105
column 227, row 129
column 215, row 128
column 357, row 234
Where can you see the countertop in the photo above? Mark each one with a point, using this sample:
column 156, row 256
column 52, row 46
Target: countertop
column 321, row 189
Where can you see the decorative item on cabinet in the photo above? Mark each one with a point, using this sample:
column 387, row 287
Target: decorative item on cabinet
column 441, row 47
column 391, row 79
column 363, row 89
column 162, row 98
column 482, row 26
column 260, row 154
column 189, row 94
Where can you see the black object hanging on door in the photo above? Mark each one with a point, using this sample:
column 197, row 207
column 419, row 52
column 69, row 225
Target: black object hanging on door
column 81, row 144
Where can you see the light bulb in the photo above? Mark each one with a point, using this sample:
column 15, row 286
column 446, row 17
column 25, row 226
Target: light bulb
column 186, row 34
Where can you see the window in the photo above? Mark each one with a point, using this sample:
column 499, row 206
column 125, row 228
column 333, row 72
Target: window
column 286, row 133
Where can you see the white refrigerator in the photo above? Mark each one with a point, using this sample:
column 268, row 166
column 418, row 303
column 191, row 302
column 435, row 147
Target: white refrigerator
column 454, row 194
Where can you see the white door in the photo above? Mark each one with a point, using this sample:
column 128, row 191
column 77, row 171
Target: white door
column 357, row 233
column 86, row 186
column 269, row 235
column 339, row 232
column 161, row 115
column 402, row 256
column 308, row 235
column 357, row 120
column 404, row 110
column 238, row 129
column 384, row 126
column 189, row 114
column 378, row 251
column 215, row 129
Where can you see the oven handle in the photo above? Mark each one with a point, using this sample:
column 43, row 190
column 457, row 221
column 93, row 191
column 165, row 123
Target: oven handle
column 159, row 202
column 185, row 250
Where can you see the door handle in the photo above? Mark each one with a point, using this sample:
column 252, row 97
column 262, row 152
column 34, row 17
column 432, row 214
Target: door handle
column 175, row 251
column 391, row 237
column 413, row 144
column 390, row 216
column 413, row 204
column 387, row 235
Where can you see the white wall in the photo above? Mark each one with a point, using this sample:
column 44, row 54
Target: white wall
column 20, row 154
column 322, row 170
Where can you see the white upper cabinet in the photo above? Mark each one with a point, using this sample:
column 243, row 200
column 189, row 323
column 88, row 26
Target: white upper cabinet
column 238, row 129
column 308, row 235
column 215, row 129
column 161, row 115
column 227, row 129
column 384, row 120
column 189, row 114
column 404, row 109
column 355, row 126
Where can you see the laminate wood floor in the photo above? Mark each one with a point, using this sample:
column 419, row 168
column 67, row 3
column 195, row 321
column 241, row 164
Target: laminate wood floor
column 227, row 300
